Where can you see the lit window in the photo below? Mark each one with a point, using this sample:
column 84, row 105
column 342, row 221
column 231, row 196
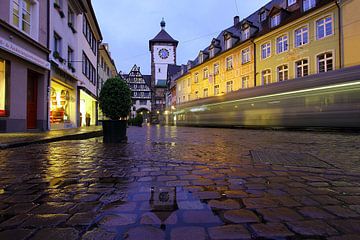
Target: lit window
column 245, row 55
column 206, row 73
column 291, row 2
column 216, row 69
column 22, row 15
column 308, row 4
column 275, row 20
column 206, row 93
column 229, row 86
column 283, row 73
column 266, row 77
column 265, row 50
column 302, row 68
column 282, row 44
column 246, row 33
column 324, row 27
column 196, row 77
column 301, row 36
column 325, row 62
column 216, row 90
column 2, row 88
column 229, row 63
column 245, row 82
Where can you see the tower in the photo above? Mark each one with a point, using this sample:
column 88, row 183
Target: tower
column 163, row 53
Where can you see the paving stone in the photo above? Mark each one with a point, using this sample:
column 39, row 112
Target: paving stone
column 241, row 216
column 97, row 234
column 200, row 216
column 177, row 183
column 144, row 232
column 52, row 207
column 83, row 219
column 315, row 212
column 350, row 226
column 224, row 204
column 312, row 228
column 16, row 234
column 280, row 214
column 236, row 194
column 19, row 208
column 118, row 220
column 45, row 220
column 120, row 207
column 229, row 232
column 86, row 197
column 190, row 205
column 159, row 218
column 166, row 178
column 344, row 237
column 326, row 200
column 14, row 221
column 341, row 211
column 188, row 233
column 56, row 234
column 207, row 195
column 259, row 203
column 271, row 230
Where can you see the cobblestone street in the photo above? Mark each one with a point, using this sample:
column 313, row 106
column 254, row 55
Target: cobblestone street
column 184, row 183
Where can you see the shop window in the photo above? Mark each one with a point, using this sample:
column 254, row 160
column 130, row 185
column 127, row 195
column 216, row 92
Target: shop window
column 59, row 104
column 3, row 84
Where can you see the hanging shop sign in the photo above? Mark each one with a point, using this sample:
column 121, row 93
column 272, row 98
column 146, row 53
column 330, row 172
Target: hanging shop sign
column 21, row 52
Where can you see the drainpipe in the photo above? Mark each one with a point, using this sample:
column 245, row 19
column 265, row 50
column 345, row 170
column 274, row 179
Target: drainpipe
column 340, row 34
column 254, row 45
column 49, row 72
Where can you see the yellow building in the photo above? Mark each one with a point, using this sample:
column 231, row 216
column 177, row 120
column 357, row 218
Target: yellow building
column 226, row 65
column 300, row 38
column 350, row 26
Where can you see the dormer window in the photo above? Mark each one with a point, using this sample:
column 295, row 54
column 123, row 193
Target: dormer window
column 228, row 43
column 263, row 16
column 212, row 52
column 246, row 33
column 275, row 20
column 201, row 57
column 291, row 2
column 308, row 4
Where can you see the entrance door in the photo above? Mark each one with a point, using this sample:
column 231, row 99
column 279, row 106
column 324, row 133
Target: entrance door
column 31, row 100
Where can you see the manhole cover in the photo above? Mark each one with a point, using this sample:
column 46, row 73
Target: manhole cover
column 288, row 159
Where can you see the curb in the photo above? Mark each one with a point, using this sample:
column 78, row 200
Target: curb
column 79, row 136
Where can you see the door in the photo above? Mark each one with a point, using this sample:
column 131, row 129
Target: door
column 31, row 100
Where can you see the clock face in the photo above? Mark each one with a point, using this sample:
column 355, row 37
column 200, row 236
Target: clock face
column 164, row 53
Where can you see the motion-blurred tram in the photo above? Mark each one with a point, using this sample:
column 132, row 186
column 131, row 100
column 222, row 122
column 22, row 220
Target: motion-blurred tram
column 326, row 100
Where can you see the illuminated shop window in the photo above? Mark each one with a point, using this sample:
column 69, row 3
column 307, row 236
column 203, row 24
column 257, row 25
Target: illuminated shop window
column 2, row 88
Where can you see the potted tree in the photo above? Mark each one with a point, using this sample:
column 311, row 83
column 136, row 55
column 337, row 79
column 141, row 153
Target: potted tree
column 115, row 103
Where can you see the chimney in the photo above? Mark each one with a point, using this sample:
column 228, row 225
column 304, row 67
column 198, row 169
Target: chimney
column 236, row 20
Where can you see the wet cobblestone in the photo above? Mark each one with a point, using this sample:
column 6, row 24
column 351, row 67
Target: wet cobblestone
column 182, row 183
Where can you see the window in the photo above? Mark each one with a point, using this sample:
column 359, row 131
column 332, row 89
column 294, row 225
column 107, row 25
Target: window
column 302, row 68
column 201, row 57
column 206, row 73
column 196, row 78
column 70, row 57
column 179, row 87
column 325, row 62
column 159, row 70
column 246, row 33
column 283, row 73
column 228, row 43
column 3, row 75
column 282, row 44
column 266, row 77
column 216, row 90
column 89, row 35
column 22, row 15
column 265, row 50
column 275, row 20
column 229, row 63
column 88, row 69
column 324, row 27
column 212, row 52
column 245, row 55
column 301, row 36
column 216, row 69
column 291, row 2
column 71, row 18
column 263, row 16
column 102, row 62
column 143, row 102
column 308, row 4
column 57, row 43
column 229, row 86
column 206, row 92
column 189, row 82
column 245, row 82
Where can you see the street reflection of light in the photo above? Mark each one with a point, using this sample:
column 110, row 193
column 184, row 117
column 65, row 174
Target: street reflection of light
column 197, row 109
column 173, row 107
column 166, row 112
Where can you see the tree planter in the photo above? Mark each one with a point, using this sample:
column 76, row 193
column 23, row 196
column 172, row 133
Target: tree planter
column 114, row 131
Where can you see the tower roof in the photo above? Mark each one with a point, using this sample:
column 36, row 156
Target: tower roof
column 162, row 36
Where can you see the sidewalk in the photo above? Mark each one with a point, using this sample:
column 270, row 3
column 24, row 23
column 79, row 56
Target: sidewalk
column 10, row 140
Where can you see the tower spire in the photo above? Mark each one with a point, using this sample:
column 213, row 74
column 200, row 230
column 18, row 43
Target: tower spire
column 162, row 24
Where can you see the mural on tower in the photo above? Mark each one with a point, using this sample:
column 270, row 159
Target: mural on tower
column 163, row 54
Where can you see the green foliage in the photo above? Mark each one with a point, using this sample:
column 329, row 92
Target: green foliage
column 138, row 120
column 115, row 99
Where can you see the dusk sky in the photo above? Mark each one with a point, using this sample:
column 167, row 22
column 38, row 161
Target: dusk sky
column 128, row 25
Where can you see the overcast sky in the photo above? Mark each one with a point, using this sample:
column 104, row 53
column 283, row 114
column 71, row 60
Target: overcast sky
column 128, row 25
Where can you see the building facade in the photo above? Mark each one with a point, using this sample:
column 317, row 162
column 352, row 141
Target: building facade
column 140, row 92
column 163, row 53
column 24, row 65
